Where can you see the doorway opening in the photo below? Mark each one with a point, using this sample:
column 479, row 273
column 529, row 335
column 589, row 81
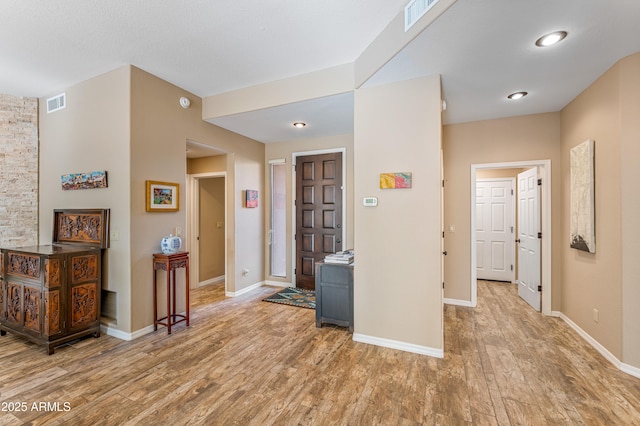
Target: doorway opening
column 544, row 167
column 207, row 228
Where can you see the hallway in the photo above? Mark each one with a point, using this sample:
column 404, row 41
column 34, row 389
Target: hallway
column 521, row 367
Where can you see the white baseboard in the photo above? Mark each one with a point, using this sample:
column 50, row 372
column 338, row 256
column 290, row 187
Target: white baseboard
column 402, row 346
column 629, row 369
column 123, row 335
column 244, row 290
column 278, row 283
column 211, row 281
column 593, row 342
column 458, row 302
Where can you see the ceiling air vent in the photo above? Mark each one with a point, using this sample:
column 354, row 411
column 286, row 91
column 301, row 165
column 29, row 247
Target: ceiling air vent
column 56, row 103
column 416, row 10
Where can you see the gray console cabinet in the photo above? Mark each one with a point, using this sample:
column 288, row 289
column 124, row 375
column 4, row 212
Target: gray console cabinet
column 334, row 294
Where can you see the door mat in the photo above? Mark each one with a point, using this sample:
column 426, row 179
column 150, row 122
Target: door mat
column 295, row 297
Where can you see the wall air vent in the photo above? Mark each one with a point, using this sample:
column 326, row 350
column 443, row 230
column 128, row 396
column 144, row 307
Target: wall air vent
column 56, row 103
column 416, row 10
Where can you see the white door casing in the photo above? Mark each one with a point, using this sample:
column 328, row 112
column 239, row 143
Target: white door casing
column 495, row 229
column 528, row 236
column 546, row 253
column 193, row 228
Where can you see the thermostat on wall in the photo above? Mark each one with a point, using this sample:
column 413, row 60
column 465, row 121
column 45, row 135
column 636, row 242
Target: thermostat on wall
column 370, row 201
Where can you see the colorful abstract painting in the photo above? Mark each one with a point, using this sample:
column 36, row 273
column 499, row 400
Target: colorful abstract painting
column 395, row 180
column 252, row 198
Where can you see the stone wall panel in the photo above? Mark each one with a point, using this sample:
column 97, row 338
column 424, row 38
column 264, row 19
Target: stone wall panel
column 18, row 171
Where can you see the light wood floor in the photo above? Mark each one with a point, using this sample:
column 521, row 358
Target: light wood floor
column 244, row 361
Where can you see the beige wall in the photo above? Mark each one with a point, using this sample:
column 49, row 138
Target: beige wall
column 525, row 138
column 594, row 281
column 160, row 129
column 630, row 207
column 398, row 287
column 212, row 227
column 92, row 133
column 393, row 39
column 18, row 171
column 498, row 173
column 215, row 163
column 286, row 150
column 129, row 123
column 316, row 84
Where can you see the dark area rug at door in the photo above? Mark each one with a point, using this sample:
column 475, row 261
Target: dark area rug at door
column 294, row 297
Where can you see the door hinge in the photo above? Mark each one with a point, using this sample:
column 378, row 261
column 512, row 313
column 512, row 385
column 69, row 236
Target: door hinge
column 539, row 288
column 539, row 234
column 442, row 234
column 443, row 183
column 539, row 182
column 512, row 267
column 443, row 285
column 512, row 192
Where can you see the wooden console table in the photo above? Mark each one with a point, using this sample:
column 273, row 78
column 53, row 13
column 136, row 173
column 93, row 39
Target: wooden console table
column 169, row 263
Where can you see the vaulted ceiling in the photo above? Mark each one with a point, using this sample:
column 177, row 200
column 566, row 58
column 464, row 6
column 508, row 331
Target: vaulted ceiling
column 483, row 49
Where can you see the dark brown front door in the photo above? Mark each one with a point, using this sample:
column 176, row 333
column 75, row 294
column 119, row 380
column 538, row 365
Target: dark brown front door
column 318, row 213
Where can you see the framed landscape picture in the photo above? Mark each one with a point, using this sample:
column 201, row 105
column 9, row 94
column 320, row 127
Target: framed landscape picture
column 162, row 196
column 90, row 180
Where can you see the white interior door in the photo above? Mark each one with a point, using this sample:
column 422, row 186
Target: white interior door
column 529, row 242
column 494, row 229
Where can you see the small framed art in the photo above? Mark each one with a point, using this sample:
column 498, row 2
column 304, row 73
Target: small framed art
column 251, row 198
column 395, row 180
column 162, row 196
column 90, row 180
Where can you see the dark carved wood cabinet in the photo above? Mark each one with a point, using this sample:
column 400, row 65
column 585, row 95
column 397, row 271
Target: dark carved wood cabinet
column 50, row 294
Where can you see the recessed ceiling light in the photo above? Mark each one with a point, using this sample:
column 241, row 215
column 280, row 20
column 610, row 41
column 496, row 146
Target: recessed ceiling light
column 517, row 95
column 551, row 39
column 299, row 124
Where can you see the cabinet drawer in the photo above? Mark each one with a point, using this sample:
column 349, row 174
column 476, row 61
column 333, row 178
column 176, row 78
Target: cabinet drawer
column 335, row 274
column 24, row 266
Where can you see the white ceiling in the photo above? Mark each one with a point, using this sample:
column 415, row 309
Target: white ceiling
column 204, row 46
column 482, row 48
column 485, row 50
